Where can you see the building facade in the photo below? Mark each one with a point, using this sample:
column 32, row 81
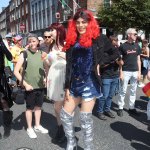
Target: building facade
column 3, row 22
column 19, row 16
column 42, row 14
column 23, row 16
column 67, row 8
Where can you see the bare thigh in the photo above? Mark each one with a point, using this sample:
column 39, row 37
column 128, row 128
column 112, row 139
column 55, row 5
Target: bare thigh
column 58, row 105
column 87, row 106
column 70, row 106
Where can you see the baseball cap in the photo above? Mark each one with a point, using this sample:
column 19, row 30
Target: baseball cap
column 8, row 36
column 17, row 38
column 40, row 38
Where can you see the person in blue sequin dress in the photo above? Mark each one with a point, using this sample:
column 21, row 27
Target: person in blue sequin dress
column 85, row 48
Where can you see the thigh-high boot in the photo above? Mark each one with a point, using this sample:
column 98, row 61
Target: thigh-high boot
column 67, row 122
column 87, row 128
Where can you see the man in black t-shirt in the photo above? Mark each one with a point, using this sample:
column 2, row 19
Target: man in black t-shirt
column 131, row 70
column 110, row 79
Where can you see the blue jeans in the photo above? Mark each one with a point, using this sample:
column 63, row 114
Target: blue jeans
column 108, row 89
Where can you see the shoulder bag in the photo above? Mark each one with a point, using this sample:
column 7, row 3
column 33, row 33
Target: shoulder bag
column 19, row 91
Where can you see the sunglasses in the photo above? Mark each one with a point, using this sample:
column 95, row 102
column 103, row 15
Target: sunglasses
column 47, row 37
column 51, row 30
column 135, row 34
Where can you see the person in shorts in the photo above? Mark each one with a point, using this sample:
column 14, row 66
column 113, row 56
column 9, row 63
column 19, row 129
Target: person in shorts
column 34, row 85
column 84, row 54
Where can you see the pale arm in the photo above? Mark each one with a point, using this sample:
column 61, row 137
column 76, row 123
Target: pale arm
column 18, row 75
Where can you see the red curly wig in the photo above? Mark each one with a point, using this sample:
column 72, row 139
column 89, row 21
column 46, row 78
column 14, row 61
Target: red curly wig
column 92, row 30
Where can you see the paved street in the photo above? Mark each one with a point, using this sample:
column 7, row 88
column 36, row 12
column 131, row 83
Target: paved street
column 126, row 133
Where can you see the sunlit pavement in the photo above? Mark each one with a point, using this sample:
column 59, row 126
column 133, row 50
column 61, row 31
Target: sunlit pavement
column 121, row 133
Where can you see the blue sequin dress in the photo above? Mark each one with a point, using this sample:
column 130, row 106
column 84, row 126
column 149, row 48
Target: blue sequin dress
column 84, row 83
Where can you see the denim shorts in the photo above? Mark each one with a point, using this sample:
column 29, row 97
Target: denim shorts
column 85, row 89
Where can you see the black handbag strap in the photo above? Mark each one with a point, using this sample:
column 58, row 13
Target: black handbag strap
column 24, row 66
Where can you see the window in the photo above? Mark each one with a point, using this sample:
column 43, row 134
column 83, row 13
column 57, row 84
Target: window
column 107, row 3
column 36, row 9
column 44, row 21
column 48, row 16
column 43, row 5
column 26, row 25
column 26, row 8
column 19, row 13
column 22, row 11
column 39, row 6
column 48, row 4
column 18, row 2
column 32, row 11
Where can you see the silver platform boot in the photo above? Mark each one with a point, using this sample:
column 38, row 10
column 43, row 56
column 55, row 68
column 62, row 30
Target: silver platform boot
column 87, row 128
column 67, row 122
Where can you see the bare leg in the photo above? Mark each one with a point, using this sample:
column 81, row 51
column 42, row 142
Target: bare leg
column 60, row 134
column 29, row 118
column 57, row 107
column 37, row 113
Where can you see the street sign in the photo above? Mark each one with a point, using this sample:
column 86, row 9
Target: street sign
column 22, row 27
column 57, row 15
column 104, row 31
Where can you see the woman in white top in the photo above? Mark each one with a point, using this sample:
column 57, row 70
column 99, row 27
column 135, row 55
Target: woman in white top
column 56, row 75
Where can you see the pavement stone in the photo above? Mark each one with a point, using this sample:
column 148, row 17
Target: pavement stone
column 122, row 133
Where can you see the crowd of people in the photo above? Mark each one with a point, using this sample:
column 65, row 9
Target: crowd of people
column 77, row 66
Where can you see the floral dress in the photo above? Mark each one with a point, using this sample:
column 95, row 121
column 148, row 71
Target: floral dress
column 56, row 76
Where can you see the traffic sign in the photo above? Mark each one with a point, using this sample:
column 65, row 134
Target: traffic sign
column 57, row 15
column 22, row 27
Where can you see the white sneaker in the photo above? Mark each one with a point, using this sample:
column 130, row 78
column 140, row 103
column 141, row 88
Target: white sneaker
column 40, row 129
column 141, row 85
column 31, row 133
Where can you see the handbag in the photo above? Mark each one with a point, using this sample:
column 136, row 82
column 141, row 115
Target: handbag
column 8, row 72
column 18, row 93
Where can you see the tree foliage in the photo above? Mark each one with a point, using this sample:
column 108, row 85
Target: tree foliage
column 123, row 14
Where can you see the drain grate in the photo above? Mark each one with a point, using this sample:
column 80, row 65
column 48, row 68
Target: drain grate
column 23, row 148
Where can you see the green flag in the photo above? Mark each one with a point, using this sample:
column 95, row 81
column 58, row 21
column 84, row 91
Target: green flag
column 63, row 3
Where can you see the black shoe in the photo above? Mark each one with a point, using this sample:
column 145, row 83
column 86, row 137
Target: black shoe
column 101, row 116
column 109, row 114
column 133, row 112
column 6, row 132
column 120, row 112
column 60, row 136
column 7, row 120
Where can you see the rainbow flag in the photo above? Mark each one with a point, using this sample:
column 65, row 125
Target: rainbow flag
column 146, row 89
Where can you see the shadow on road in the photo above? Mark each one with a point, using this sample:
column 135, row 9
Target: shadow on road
column 48, row 121
column 19, row 123
column 139, row 146
column 114, row 107
column 131, row 133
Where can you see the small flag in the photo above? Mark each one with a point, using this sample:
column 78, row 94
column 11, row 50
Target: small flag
column 146, row 89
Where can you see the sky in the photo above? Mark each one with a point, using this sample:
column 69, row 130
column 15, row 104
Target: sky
column 3, row 3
